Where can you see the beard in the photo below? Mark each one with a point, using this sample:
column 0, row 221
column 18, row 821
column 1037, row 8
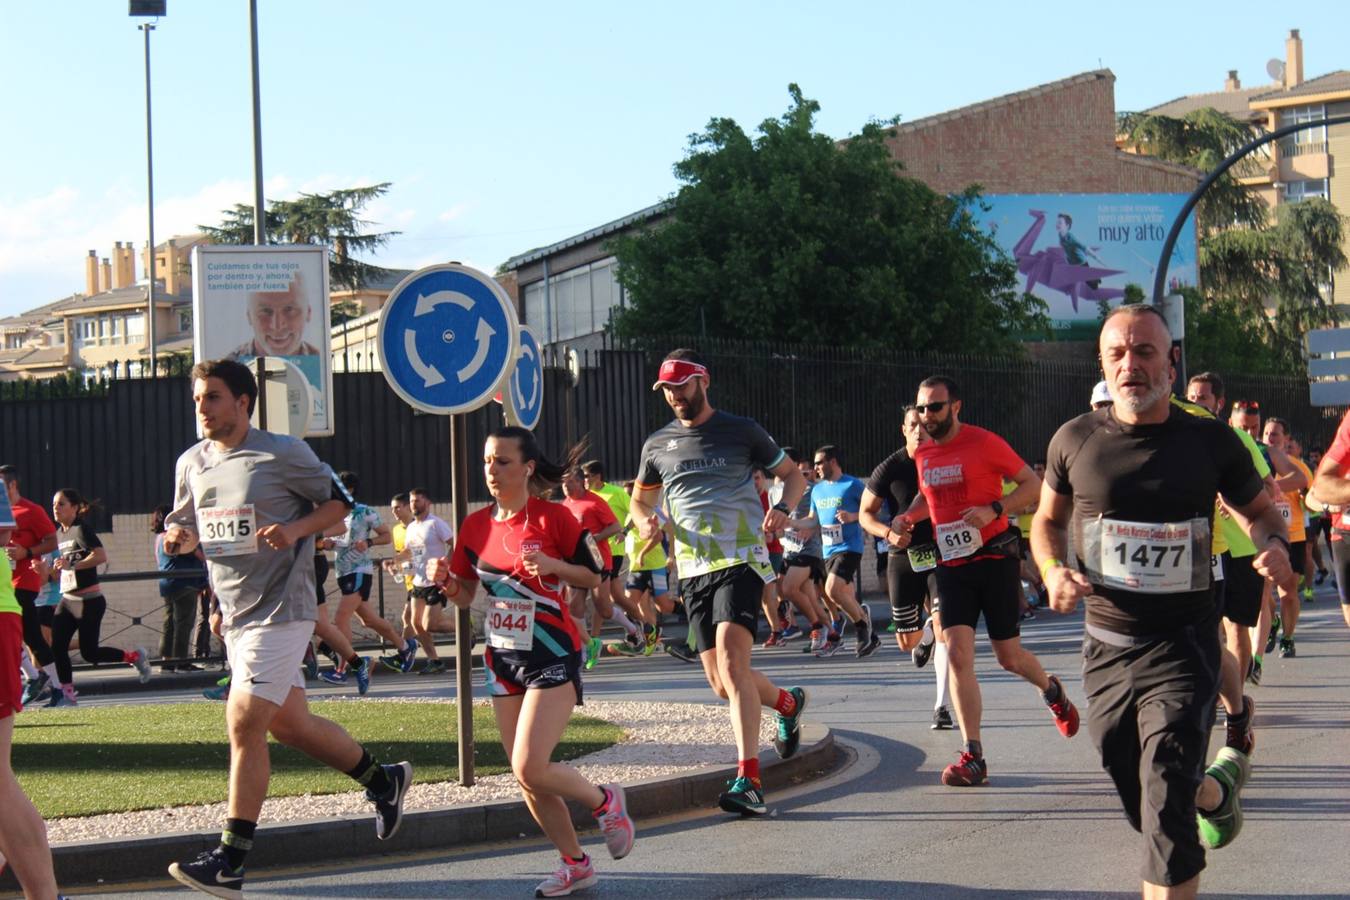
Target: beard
column 938, row 430
column 693, row 406
column 1138, row 403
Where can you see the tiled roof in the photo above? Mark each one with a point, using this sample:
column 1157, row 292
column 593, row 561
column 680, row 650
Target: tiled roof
column 119, row 297
column 1230, row 103
column 42, row 355
column 1332, row 82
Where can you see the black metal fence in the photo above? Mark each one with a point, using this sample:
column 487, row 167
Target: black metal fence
column 119, row 440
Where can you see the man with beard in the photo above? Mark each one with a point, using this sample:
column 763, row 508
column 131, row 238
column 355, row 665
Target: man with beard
column 1138, row 481
column 703, row 460
column 961, row 473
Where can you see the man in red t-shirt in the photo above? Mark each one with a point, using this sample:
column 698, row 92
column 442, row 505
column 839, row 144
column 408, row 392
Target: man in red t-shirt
column 594, row 514
column 961, row 474
column 33, row 536
column 1331, row 484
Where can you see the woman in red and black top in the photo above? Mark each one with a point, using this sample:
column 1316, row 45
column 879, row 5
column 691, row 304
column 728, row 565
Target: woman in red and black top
column 524, row 550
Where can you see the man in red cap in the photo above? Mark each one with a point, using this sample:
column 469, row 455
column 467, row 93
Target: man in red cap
column 704, row 461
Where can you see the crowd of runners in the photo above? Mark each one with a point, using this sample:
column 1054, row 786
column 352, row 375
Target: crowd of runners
column 1191, row 541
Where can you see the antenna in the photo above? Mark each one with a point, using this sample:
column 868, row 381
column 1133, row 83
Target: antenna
column 1275, row 69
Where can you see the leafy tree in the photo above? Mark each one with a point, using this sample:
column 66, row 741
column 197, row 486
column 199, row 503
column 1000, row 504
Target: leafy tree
column 794, row 236
column 332, row 219
column 1263, row 276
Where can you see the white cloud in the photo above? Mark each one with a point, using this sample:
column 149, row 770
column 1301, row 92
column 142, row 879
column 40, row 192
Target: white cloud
column 454, row 212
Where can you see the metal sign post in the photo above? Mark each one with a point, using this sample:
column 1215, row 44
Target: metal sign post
column 448, row 339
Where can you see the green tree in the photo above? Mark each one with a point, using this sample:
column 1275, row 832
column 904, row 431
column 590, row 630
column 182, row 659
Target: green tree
column 333, row 219
column 783, row 235
column 1264, row 277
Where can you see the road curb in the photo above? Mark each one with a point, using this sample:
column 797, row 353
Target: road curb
column 114, row 860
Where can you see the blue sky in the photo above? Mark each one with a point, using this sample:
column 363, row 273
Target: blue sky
column 509, row 126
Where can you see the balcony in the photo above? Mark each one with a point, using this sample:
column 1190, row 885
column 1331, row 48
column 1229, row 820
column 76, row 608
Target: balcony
column 1290, row 148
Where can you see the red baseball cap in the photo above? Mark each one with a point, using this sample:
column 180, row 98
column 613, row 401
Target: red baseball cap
column 675, row 372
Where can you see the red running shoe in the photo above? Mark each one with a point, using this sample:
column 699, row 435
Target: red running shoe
column 968, row 771
column 1065, row 713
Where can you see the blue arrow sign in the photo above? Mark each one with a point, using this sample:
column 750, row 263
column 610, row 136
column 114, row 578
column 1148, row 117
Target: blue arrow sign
column 447, row 338
column 525, row 390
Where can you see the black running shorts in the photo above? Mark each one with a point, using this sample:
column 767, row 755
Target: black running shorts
column 989, row 586
column 907, row 590
column 843, row 565
column 727, row 595
column 356, row 583
column 430, row 595
column 1242, row 590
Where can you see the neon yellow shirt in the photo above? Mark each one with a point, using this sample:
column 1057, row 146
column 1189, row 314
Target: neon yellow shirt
column 8, row 602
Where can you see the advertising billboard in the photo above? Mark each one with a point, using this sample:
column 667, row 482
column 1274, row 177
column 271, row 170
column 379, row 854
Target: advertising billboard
column 1078, row 251
column 267, row 301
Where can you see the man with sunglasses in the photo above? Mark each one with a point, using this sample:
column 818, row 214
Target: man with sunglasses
column 961, row 473
column 1137, row 482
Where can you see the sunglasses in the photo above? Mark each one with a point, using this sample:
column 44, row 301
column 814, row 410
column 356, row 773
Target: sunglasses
column 1247, row 405
column 936, row 406
column 819, row 462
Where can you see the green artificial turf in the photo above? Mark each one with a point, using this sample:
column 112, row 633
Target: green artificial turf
column 77, row 762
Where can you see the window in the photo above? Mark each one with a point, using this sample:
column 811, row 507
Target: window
column 136, row 326
column 578, row 302
column 1294, row 191
column 1296, row 114
column 536, row 312
column 185, row 320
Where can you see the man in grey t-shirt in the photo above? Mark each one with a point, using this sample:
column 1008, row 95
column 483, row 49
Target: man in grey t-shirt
column 253, row 501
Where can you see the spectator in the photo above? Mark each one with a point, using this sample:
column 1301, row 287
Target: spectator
column 180, row 598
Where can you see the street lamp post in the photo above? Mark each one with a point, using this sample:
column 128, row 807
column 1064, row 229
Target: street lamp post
column 156, row 9
column 259, row 213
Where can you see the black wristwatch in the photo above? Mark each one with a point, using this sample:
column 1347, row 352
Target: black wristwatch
column 997, row 507
column 781, row 507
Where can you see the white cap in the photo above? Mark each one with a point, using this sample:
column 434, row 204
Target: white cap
column 1100, row 394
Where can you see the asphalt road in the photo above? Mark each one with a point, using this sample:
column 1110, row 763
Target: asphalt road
column 882, row 825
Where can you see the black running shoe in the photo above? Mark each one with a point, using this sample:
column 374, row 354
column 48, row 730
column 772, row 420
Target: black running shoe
column 1287, row 648
column 922, row 653
column 789, row 735
column 743, row 797
column 211, row 874
column 389, row 808
column 942, row 719
column 682, row 652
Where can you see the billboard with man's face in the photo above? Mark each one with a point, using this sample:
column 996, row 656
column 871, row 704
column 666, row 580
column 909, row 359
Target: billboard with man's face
column 267, row 301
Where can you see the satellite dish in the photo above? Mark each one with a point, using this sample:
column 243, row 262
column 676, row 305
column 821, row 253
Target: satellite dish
column 1275, row 69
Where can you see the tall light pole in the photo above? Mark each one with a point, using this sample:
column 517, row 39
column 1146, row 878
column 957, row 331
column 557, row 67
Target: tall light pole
column 259, row 213
column 155, row 8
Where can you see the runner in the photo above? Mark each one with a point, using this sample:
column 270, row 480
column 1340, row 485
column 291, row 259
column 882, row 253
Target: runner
column 332, row 643
column 1331, row 484
column 648, row 587
column 362, row 529
column 911, row 580
column 594, row 515
column 775, row 609
column 82, row 602
column 254, row 500
column 33, row 536
column 1138, row 482
column 399, row 566
column 1290, row 505
column 23, row 834
column 525, row 550
column 428, row 538
column 703, row 459
column 835, row 501
column 961, row 474
column 803, row 567
column 617, row 498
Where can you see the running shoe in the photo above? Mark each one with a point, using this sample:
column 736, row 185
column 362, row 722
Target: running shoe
column 310, row 662
column 1254, row 670
column 791, row 632
column 1307, row 594
column 651, row 640
column 1274, row 634
column 568, row 878
column 432, row 667
column 942, row 720
column 968, row 771
column 837, row 626
column 409, row 655
column 219, row 692
column 1243, row 738
column 774, row 640
column 211, row 874
column 830, row 647
column 682, row 652
column 594, row 647
column 1321, row 576
column 362, row 673
column 1287, row 648
column 393, row 663
column 1029, row 613
column 789, row 736
column 389, row 808
column 867, row 641
column 817, row 641
column 623, row 648
column 615, row 823
column 333, row 676
column 743, row 797
column 140, row 660
column 1219, row 827
column 890, row 629
column 61, row 698
column 36, row 689
column 922, row 653
column 1065, row 713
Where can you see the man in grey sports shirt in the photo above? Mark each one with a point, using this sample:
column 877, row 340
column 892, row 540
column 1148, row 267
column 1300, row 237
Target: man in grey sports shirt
column 254, row 501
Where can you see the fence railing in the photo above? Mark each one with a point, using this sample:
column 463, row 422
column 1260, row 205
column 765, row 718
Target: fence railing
column 119, row 440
